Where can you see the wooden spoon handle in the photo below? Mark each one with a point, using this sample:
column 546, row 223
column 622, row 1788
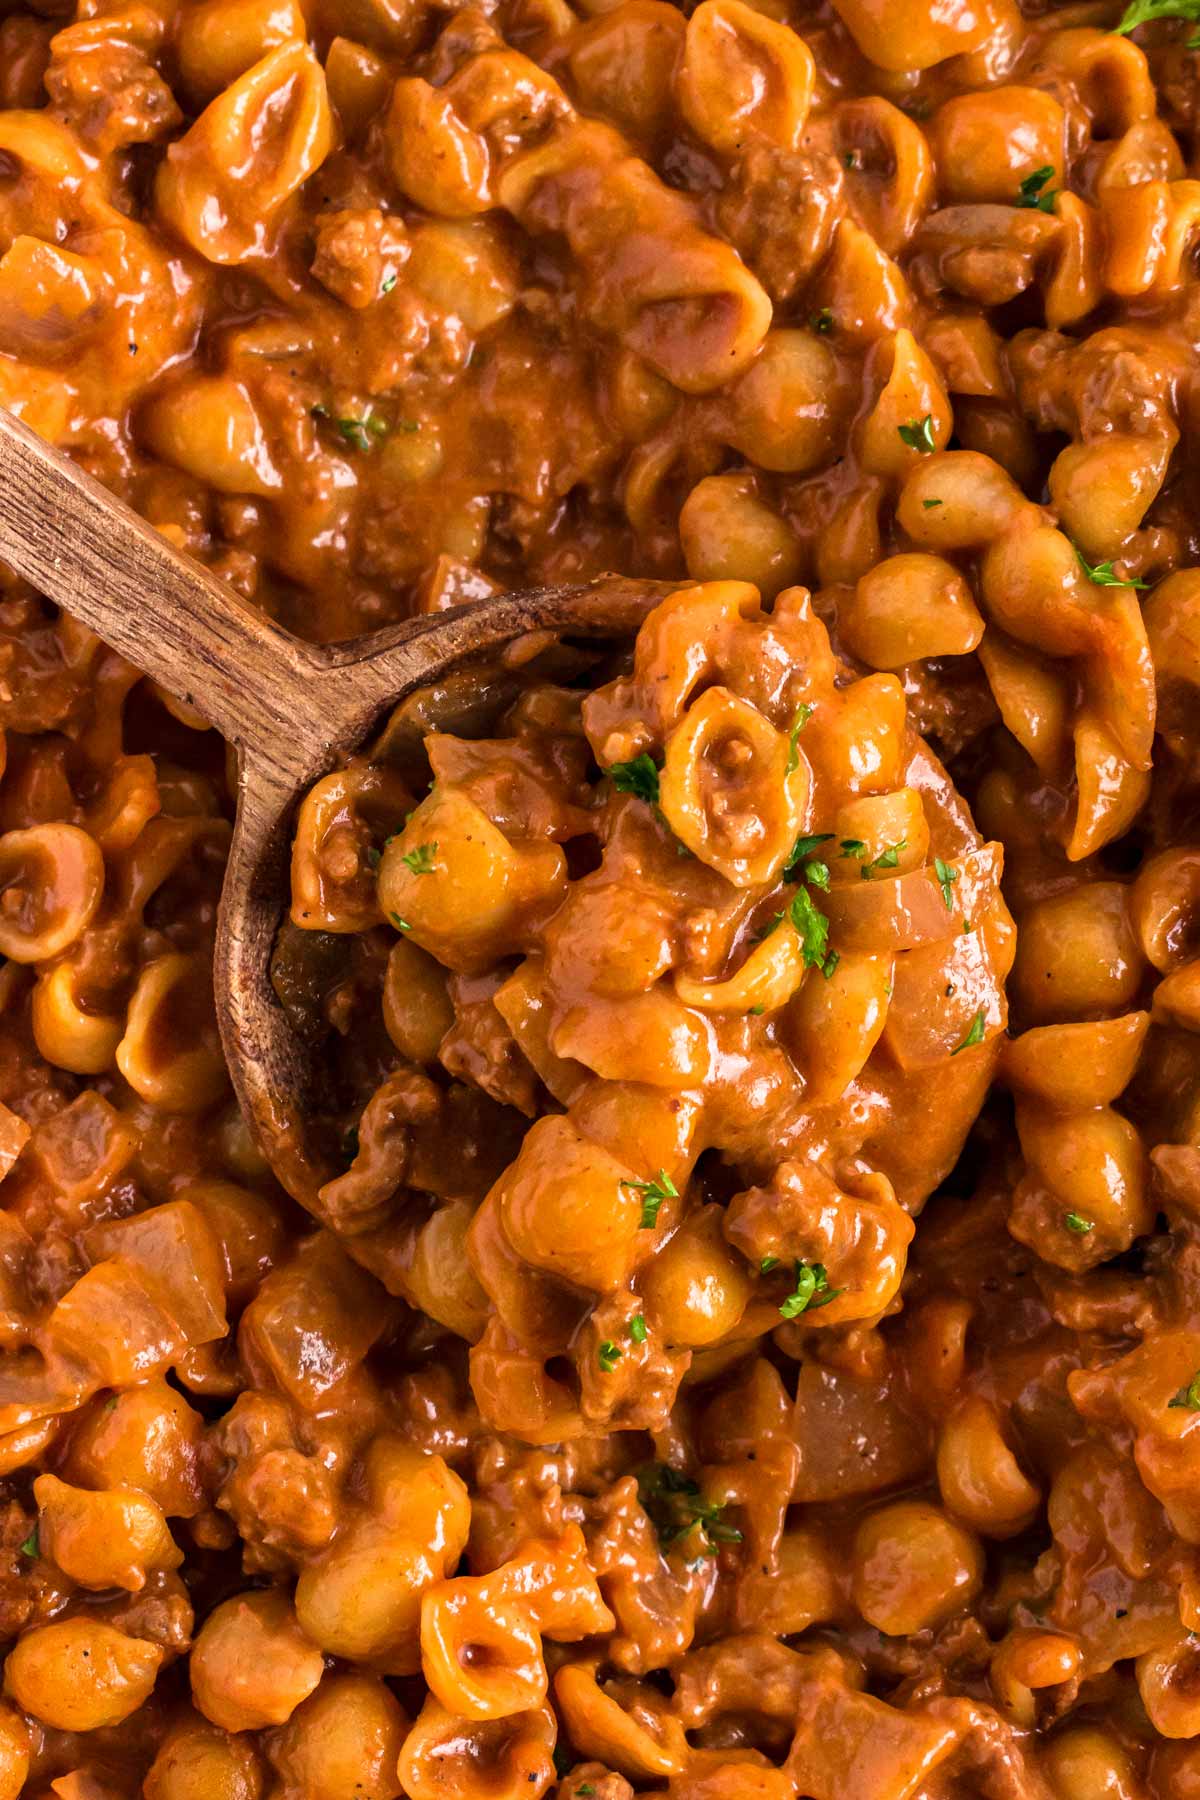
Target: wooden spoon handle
column 92, row 555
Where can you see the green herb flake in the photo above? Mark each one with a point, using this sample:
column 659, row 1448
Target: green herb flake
column 947, row 875
column 1034, row 194
column 677, row 1509
column 927, row 504
column 388, row 283
column 360, row 434
column 813, row 928
column 399, row 923
column 830, row 964
column 768, row 1263
column 816, row 874
column 887, row 859
column 1104, row 575
column 758, row 1011
column 812, row 1289
column 608, row 1356
column 637, row 1328
column 420, row 860
column 585, row 1788
column 804, row 846
column 803, row 714
column 638, row 777
column 1144, row 12
column 1078, row 1224
column 822, row 322
column 1188, row 1397
column 853, row 847
column 30, row 1546
column 653, row 1194
column 373, row 857
column 975, row 1033
column 918, row 435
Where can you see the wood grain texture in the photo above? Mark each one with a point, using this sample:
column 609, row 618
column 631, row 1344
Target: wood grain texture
column 292, row 709
column 93, row 556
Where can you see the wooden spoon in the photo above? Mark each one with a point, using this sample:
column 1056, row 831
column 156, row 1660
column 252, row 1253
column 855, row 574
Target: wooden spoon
column 293, row 710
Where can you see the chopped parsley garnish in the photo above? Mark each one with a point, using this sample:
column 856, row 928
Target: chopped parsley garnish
column 1188, row 1396
column 887, row 859
column 638, row 777
column 637, row 1328
column 1104, row 575
column 676, row 1508
column 373, row 857
column 758, row 1011
column 388, row 283
column 814, row 872
column 804, row 713
column 768, row 1263
column 830, row 964
column 812, row 1289
column 608, row 1356
column 975, row 1033
column 823, row 321
column 420, row 860
column 1034, row 194
column 399, row 923
column 947, row 875
column 928, row 503
column 653, row 1194
column 813, row 929
column 360, row 434
column 585, row 1788
column 1078, row 1224
column 918, row 435
column 804, row 846
column 30, row 1546
column 853, row 847
column 1143, row 12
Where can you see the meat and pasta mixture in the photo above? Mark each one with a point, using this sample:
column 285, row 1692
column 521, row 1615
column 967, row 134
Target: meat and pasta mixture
column 740, row 1335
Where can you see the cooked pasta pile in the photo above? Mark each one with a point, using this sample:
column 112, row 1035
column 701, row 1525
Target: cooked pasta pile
column 738, row 1334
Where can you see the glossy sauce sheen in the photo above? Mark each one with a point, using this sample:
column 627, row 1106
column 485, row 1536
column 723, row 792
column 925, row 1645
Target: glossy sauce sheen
column 745, row 1341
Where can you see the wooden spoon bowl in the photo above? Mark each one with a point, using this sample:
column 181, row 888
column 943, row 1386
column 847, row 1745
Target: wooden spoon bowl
column 293, row 711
